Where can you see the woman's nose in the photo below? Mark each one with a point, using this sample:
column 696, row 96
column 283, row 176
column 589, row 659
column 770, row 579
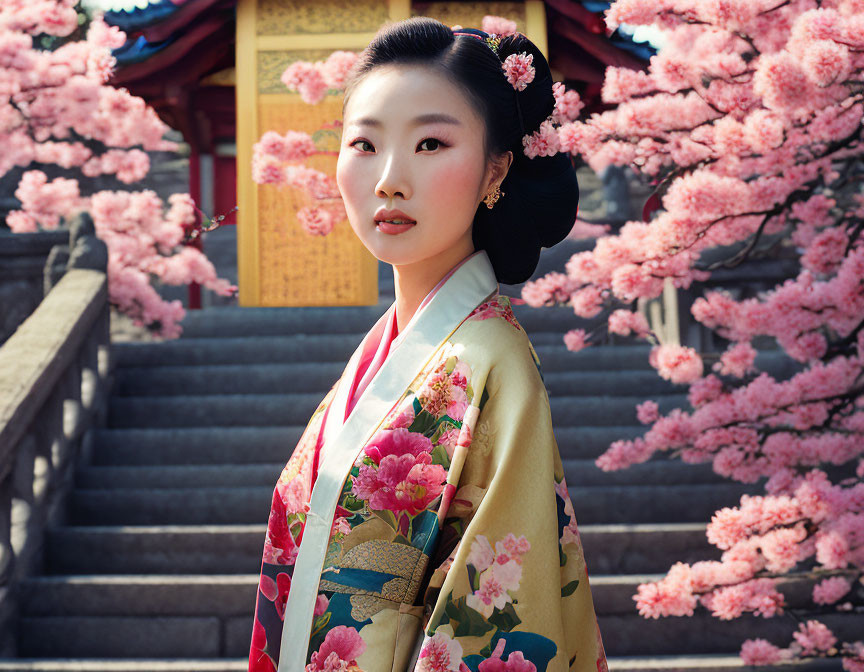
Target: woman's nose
column 393, row 180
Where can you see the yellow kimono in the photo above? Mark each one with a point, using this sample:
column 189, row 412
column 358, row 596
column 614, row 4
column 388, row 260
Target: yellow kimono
column 439, row 534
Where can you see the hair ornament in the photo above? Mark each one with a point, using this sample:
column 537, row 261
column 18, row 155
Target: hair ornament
column 491, row 40
column 518, row 70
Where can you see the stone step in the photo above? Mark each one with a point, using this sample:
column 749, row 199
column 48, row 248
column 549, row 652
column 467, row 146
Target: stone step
column 318, row 377
column 279, row 321
column 203, row 506
column 293, row 409
column 236, row 549
column 156, row 616
column 339, row 347
column 226, row 595
column 263, row 444
column 579, row 473
column 715, row 662
column 124, row 665
column 704, row 663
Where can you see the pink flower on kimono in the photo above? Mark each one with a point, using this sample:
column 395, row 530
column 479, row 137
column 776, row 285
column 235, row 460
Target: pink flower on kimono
column 511, row 548
column 338, row 651
column 481, row 555
column 396, row 442
column 402, row 477
column 486, row 310
column 448, row 439
column 496, row 582
column 404, row 419
column 497, row 307
column 321, row 604
column 276, row 591
column 570, row 534
column 500, row 572
column 440, row 653
column 283, row 537
column 340, row 526
column 445, row 393
column 294, row 495
column 515, row 661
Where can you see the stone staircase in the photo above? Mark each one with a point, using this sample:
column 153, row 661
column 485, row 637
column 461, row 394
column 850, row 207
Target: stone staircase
column 157, row 567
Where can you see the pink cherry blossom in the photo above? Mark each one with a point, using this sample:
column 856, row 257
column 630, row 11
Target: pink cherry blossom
column 737, row 360
column 576, row 339
column 623, row 321
column 337, row 66
column 542, row 142
column 647, row 412
column 568, row 104
column 518, row 70
column 762, row 652
column 829, row 590
column 550, row 289
column 315, row 221
column 498, row 25
column 306, row 79
column 679, row 364
column 814, row 637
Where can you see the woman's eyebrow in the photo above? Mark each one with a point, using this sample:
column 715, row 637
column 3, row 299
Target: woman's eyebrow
column 432, row 118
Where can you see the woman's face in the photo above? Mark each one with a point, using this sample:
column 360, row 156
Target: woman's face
column 433, row 170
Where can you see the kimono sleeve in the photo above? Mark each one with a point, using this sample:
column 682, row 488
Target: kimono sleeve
column 512, row 593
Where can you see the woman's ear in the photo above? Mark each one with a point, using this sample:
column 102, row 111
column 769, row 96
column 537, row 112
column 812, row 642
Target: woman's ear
column 500, row 165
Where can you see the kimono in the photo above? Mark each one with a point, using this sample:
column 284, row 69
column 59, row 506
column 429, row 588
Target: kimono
column 423, row 521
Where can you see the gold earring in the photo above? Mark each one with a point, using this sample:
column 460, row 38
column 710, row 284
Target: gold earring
column 492, row 197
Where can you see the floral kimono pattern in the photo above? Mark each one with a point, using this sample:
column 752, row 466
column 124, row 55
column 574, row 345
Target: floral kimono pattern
column 454, row 544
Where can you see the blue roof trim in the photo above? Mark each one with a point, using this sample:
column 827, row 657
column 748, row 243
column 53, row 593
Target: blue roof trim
column 596, row 6
column 156, row 11
column 139, row 50
column 643, row 50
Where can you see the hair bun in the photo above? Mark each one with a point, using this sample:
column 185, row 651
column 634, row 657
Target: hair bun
column 536, row 100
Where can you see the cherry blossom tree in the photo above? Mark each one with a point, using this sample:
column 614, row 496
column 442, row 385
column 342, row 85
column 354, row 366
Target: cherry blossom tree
column 749, row 121
column 58, row 108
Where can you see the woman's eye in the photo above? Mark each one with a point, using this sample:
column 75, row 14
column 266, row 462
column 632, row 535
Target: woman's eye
column 435, row 140
column 358, row 141
column 422, row 142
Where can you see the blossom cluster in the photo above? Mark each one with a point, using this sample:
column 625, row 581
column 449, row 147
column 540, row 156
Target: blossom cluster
column 749, row 122
column 50, row 97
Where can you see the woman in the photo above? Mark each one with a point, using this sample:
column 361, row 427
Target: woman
column 423, row 521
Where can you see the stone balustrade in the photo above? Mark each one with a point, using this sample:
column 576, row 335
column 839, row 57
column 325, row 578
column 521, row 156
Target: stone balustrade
column 55, row 377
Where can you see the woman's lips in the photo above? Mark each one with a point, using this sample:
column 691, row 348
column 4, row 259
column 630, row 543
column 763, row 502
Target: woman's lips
column 393, row 229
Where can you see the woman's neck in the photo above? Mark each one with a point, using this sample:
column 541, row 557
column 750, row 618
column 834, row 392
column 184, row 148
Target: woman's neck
column 413, row 282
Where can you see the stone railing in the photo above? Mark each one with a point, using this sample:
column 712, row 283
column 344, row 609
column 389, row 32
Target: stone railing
column 55, row 377
column 23, row 283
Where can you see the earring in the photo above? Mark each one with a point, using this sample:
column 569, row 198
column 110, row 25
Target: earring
column 492, row 197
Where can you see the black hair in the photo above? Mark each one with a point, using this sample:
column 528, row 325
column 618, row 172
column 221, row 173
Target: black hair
column 540, row 196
